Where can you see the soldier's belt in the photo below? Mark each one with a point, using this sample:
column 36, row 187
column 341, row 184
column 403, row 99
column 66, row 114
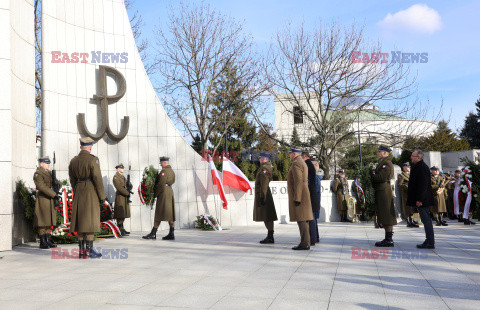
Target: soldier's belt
column 84, row 179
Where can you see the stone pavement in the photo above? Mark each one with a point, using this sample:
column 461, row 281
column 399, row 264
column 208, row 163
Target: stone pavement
column 230, row 270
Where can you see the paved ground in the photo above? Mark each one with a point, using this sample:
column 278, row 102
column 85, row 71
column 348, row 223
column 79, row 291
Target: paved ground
column 230, row 270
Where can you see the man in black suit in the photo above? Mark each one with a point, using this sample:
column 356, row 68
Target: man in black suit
column 420, row 195
column 312, row 173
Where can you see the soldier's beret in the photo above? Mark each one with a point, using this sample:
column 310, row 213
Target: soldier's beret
column 384, row 148
column 119, row 166
column 264, row 154
column 434, row 168
column 164, row 158
column 44, row 159
column 406, row 165
column 294, row 150
column 86, row 141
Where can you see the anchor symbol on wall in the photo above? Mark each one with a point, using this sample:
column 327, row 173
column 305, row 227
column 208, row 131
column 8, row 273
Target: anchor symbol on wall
column 105, row 100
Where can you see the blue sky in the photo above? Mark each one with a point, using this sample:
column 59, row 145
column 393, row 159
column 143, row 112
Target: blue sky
column 446, row 30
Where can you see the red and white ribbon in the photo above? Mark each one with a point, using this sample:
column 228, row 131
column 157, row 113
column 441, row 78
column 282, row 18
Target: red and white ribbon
column 456, row 202
column 65, row 206
column 360, row 189
column 113, row 227
column 142, row 200
column 466, row 210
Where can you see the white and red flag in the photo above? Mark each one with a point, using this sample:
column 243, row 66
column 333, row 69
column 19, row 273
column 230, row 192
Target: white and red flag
column 218, row 182
column 234, row 177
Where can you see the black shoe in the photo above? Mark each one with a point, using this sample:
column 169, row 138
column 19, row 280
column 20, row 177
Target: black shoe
column 425, row 246
column 468, row 222
column 438, row 223
column 376, row 225
column 90, row 251
column 81, row 249
column 268, row 239
column 123, row 231
column 312, row 243
column 443, row 223
column 43, row 242
column 380, row 225
column 49, row 242
column 300, row 248
column 152, row 235
column 461, row 219
column 387, row 242
column 170, row 235
column 412, row 223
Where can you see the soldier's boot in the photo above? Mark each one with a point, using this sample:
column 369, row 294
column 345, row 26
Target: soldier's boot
column 152, row 235
column 124, row 230
column 90, row 250
column 81, row 249
column 387, row 242
column 346, row 219
column 412, row 223
column 269, row 238
column 409, row 222
column 438, row 222
column 468, row 222
column 376, row 224
column 444, row 223
column 171, row 235
column 49, row 242
column 43, row 242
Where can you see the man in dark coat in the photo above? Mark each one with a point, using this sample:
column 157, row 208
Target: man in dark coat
column 384, row 196
column 88, row 195
column 313, row 197
column 420, row 195
column 264, row 207
column 165, row 207
column 45, row 215
column 299, row 205
column 121, row 207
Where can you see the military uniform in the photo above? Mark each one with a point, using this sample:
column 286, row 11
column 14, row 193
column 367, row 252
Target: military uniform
column 383, row 193
column 438, row 188
column 264, row 207
column 88, row 192
column 45, row 215
column 122, row 207
column 340, row 188
column 299, row 205
column 165, row 207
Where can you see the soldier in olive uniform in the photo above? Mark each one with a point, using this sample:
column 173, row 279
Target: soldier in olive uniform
column 402, row 183
column 122, row 207
column 384, row 196
column 45, row 215
column 299, row 205
column 165, row 207
column 264, row 207
column 340, row 188
column 88, row 193
column 439, row 205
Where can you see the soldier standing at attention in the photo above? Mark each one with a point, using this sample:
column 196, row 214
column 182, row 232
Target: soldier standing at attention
column 88, row 193
column 45, row 215
column 450, row 186
column 165, row 207
column 122, row 208
column 402, row 183
column 299, row 205
column 340, row 188
column 383, row 196
column 264, row 207
column 438, row 188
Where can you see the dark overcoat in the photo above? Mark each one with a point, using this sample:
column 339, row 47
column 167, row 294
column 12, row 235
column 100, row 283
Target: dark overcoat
column 165, row 207
column 384, row 207
column 312, row 173
column 266, row 211
column 88, row 190
column 297, row 184
column 121, row 207
column 420, row 185
column 45, row 214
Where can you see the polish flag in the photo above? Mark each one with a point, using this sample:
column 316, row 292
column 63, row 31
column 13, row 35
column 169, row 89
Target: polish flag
column 218, row 182
column 234, row 177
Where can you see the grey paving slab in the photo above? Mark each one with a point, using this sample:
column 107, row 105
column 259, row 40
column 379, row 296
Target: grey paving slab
column 231, row 270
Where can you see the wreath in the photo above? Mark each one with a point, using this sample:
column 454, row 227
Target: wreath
column 207, row 222
column 146, row 189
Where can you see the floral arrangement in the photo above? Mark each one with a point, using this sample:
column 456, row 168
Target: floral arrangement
column 473, row 176
column 207, row 222
column 146, row 189
column 364, row 191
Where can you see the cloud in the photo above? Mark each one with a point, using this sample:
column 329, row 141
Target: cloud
column 418, row 18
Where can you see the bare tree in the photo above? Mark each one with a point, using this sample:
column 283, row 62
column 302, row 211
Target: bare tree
column 136, row 22
column 196, row 50
column 312, row 74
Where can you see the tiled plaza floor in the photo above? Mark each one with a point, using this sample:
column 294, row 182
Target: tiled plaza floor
column 230, row 270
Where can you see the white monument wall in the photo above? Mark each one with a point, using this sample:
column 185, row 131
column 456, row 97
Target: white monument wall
column 17, row 114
